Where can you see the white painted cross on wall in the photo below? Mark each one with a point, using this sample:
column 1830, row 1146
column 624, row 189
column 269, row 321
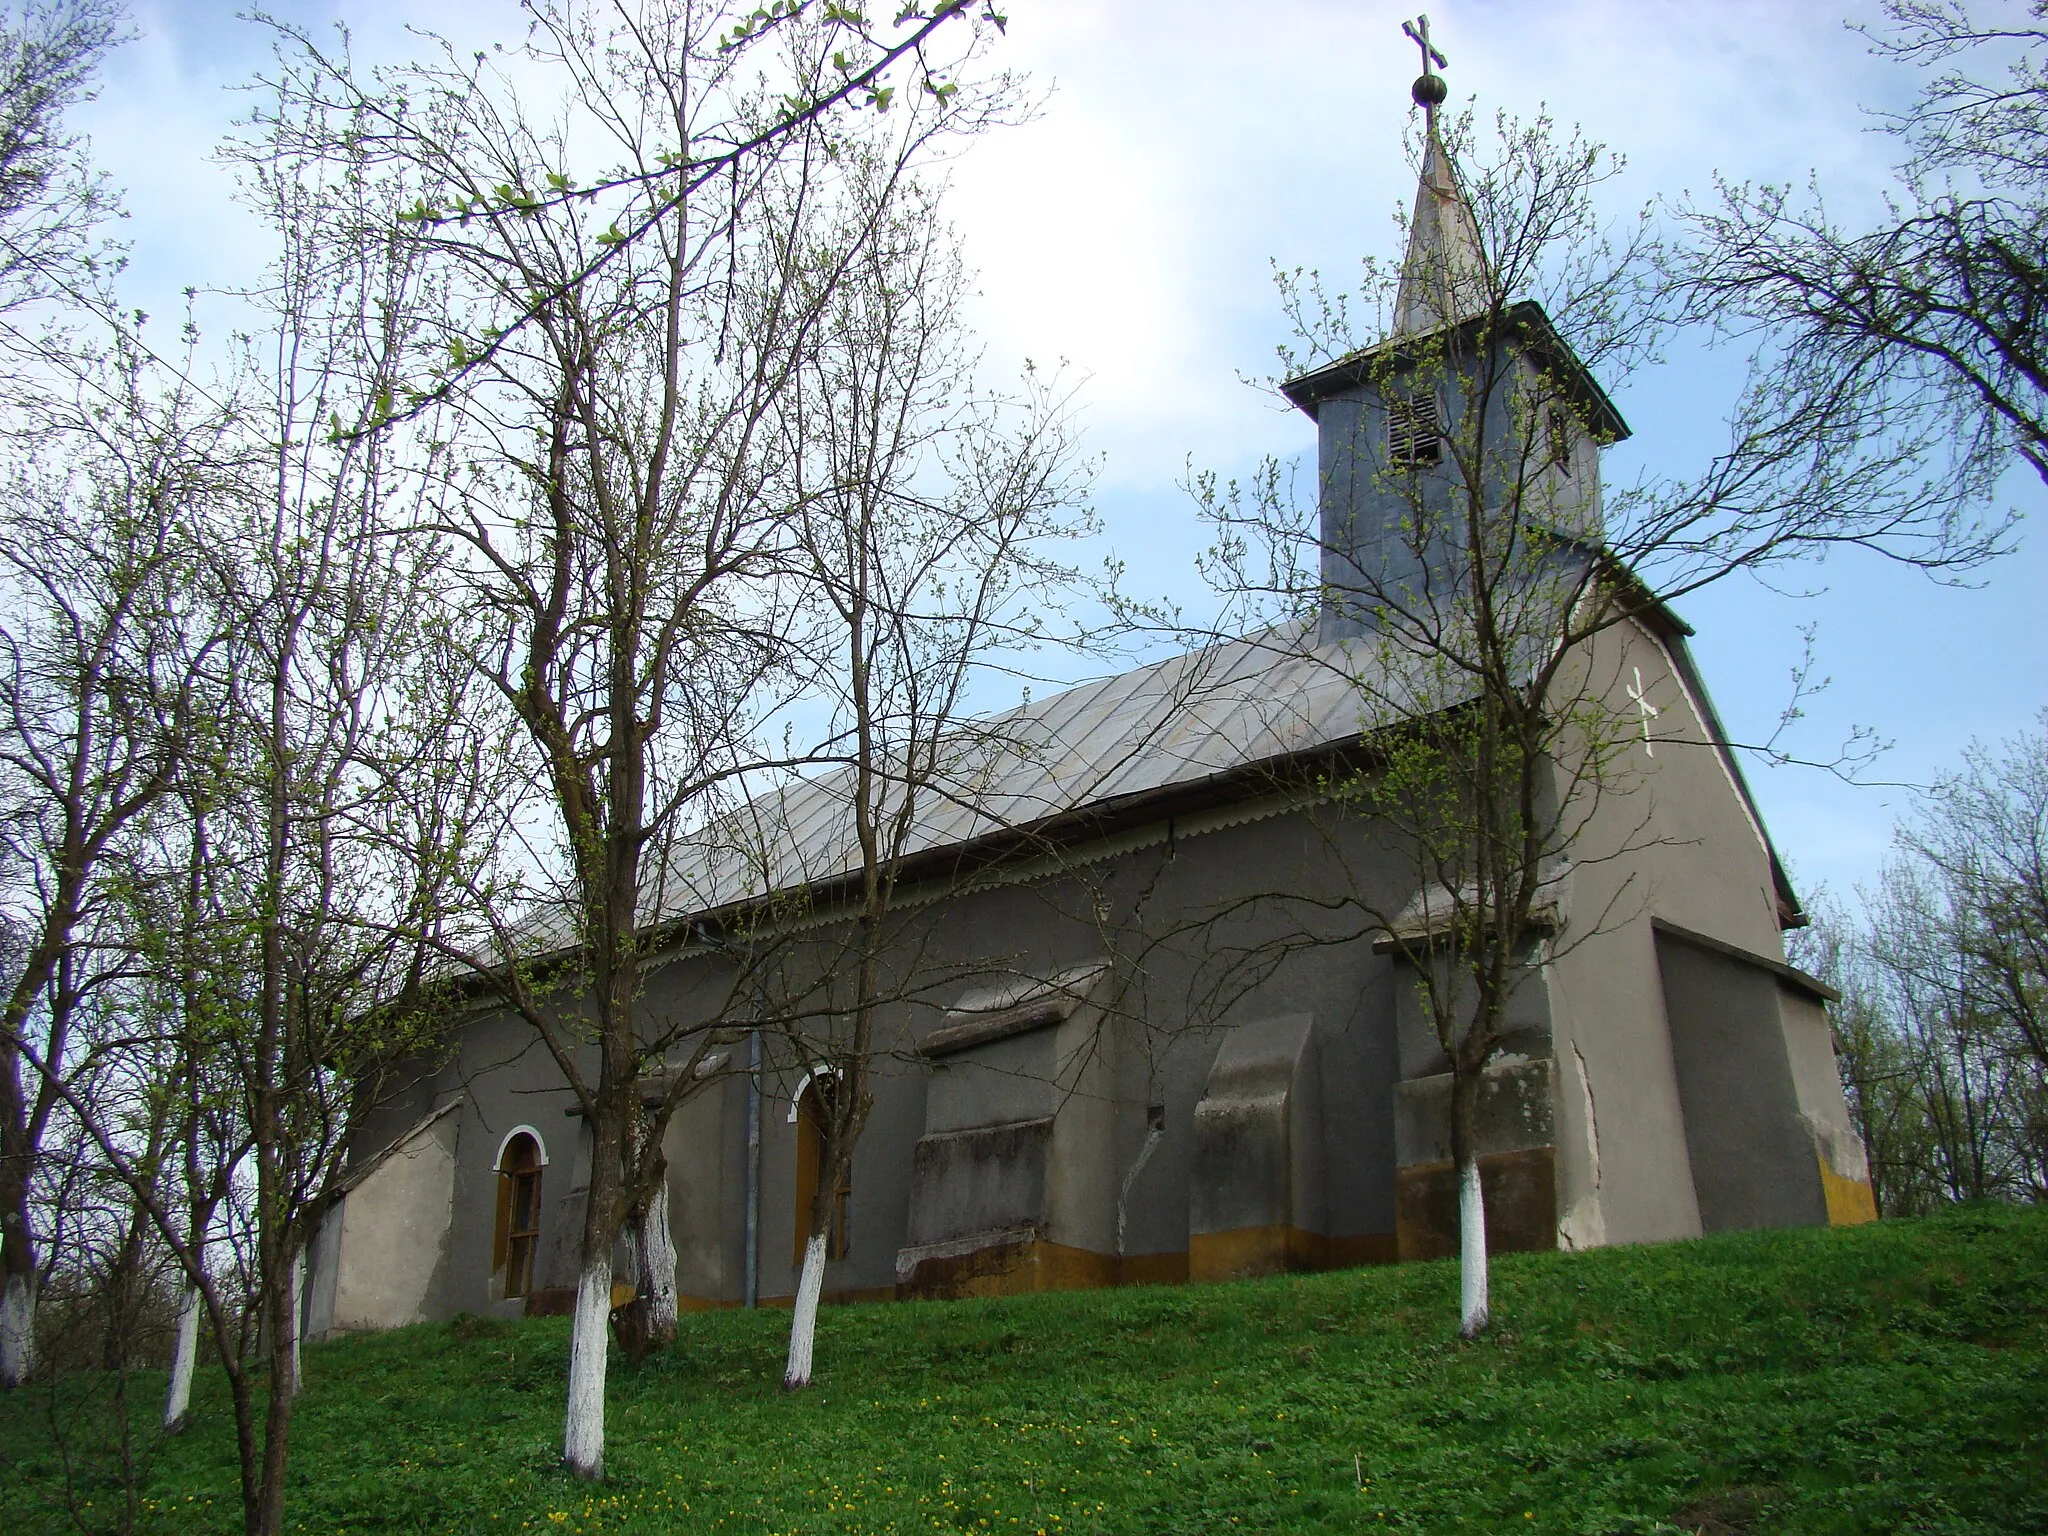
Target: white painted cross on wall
column 1648, row 710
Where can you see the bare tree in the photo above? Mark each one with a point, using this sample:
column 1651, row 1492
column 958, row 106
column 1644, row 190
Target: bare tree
column 1930, row 315
column 1944, row 989
column 617, row 343
column 930, row 516
column 1984, row 836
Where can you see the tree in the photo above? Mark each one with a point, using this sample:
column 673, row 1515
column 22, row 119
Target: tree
column 51, row 202
column 1984, row 836
column 1879, row 1066
column 98, row 694
column 1933, row 314
column 49, row 205
column 1471, row 595
column 616, row 348
column 1944, row 987
column 313, row 819
column 928, row 519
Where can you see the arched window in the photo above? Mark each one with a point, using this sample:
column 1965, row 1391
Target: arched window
column 813, row 1112
column 518, row 1234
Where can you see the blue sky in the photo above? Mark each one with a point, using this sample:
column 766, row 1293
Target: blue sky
column 1185, row 147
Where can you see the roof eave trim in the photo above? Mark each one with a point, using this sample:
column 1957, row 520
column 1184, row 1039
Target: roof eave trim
column 1526, row 318
column 1789, row 975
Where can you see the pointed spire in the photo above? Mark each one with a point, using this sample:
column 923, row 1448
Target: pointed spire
column 1443, row 276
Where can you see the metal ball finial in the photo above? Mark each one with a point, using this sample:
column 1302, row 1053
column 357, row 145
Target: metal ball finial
column 1429, row 91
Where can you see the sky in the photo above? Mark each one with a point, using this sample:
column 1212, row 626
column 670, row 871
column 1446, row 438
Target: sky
column 1184, row 149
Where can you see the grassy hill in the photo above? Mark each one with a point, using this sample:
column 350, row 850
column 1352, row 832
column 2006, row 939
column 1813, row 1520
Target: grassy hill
column 1886, row 1378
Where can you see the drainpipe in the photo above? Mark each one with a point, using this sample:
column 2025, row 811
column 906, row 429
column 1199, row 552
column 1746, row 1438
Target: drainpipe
column 754, row 1168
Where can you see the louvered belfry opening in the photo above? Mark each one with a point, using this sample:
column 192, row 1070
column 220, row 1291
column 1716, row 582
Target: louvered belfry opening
column 1414, row 430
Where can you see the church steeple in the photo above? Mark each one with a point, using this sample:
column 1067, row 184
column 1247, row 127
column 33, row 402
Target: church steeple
column 1443, row 274
column 1464, row 385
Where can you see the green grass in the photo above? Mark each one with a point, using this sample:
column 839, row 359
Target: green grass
column 1887, row 1378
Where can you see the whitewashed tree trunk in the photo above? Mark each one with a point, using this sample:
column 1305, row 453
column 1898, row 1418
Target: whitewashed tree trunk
column 17, row 1331
column 185, row 1349
column 183, row 1355
column 298, row 1321
column 1473, row 1310
column 803, row 1319
column 658, row 1266
column 583, row 1427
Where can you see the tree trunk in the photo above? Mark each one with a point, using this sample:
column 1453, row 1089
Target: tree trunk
column 583, row 1429
column 803, row 1318
column 17, row 1322
column 183, row 1355
column 657, row 1253
column 1473, row 1310
column 124, row 1294
column 267, row 1518
column 17, row 1251
column 298, row 1374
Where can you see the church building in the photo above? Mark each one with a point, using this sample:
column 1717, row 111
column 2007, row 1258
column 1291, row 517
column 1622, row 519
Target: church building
column 1142, row 1030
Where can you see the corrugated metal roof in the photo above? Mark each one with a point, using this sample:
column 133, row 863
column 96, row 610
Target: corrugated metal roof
column 1213, row 711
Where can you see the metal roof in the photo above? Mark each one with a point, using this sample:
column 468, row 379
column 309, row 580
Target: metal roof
column 1211, row 717
column 1207, row 713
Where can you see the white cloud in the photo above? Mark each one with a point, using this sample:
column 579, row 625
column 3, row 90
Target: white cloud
column 1187, row 144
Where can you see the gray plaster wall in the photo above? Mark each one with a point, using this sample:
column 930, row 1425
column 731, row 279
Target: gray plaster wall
column 1171, row 999
column 1666, row 836
column 504, row 1081
column 705, row 1160
column 1371, row 510
column 1259, row 1131
column 1178, row 983
column 382, row 1251
column 1517, row 1111
column 1752, row 1155
column 1817, row 1085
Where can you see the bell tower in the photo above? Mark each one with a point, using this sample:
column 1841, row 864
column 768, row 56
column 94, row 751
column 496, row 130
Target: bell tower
column 1472, row 407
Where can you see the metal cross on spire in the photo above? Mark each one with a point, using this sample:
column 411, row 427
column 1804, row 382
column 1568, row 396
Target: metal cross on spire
column 1429, row 89
column 1418, row 32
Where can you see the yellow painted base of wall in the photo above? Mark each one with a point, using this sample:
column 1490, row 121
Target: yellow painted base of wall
column 1851, row 1202
column 1244, row 1252
column 1152, row 1269
column 846, row 1298
column 704, row 1303
column 1015, row 1268
column 1011, row 1269
column 1364, row 1248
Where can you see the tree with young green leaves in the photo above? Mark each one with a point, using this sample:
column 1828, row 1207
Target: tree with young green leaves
column 634, row 276
column 932, row 522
